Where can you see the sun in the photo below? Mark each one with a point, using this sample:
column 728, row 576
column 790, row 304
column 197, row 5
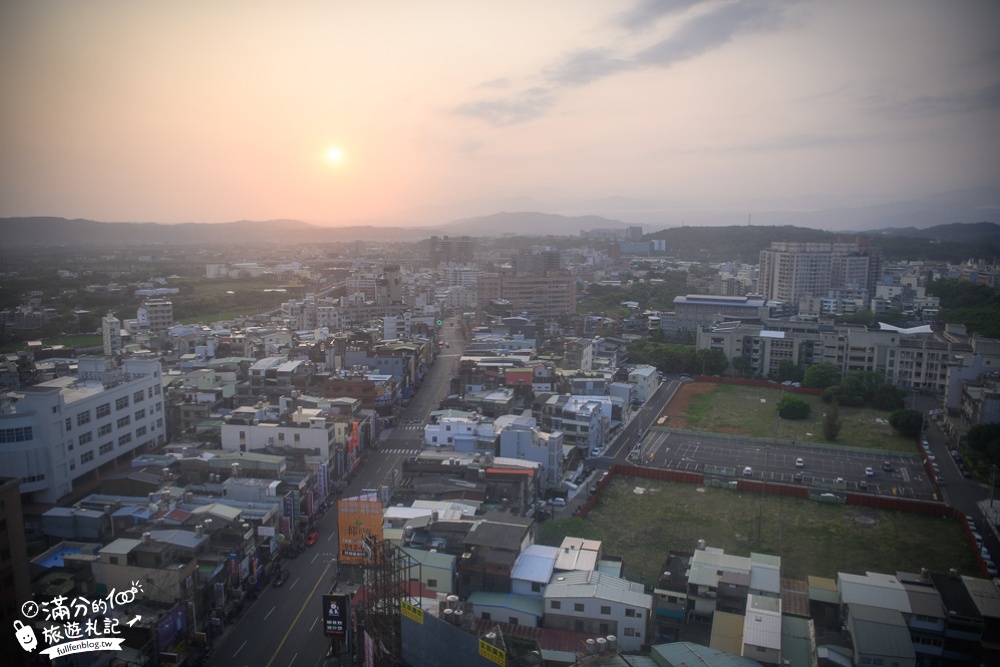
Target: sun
column 334, row 155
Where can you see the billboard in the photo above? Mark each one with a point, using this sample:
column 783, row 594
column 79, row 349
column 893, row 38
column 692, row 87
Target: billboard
column 335, row 615
column 357, row 517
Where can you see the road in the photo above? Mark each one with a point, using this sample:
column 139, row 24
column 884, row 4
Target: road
column 281, row 628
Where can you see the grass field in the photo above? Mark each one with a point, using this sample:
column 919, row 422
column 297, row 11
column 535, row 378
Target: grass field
column 752, row 411
column 812, row 538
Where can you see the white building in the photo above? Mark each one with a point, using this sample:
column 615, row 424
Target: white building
column 520, row 438
column 599, row 604
column 646, row 381
column 458, row 431
column 63, row 429
column 156, row 315
column 111, row 333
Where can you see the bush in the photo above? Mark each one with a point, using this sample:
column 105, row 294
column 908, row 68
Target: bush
column 909, row 423
column 793, row 407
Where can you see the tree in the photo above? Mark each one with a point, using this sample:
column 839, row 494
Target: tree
column 793, row 407
column 743, row 367
column 985, row 439
column 788, row 371
column 908, row 423
column 887, row 397
column 821, row 376
column 831, row 422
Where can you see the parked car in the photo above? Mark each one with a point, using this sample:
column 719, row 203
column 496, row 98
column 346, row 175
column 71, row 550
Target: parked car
column 312, row 538
column 800, row 463
column 887, row 466
column 596, row 451
column 869, row 472
column 748, row 471
column 558, row 501
column 281, row 578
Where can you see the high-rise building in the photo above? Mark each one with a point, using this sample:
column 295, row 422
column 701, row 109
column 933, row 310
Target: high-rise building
column 156, row 315
column 531, row 294
column 458, row 250
column 60, row 432
column 791, row 270
column 111, row 332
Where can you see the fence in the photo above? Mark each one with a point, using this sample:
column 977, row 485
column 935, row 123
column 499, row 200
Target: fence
column 770, row 384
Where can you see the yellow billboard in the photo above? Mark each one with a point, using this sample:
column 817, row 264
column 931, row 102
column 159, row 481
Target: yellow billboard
column 356, row 518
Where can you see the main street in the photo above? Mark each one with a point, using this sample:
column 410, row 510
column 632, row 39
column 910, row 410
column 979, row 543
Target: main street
column 283, row 627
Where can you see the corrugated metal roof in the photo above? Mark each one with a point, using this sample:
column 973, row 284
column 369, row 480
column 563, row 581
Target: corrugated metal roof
column 873, row 589
column 727, row 632
column 535, row 564
column 985, row 595
column 593, row 584
column 533, row 606
column 686, row 653
column 762, row 625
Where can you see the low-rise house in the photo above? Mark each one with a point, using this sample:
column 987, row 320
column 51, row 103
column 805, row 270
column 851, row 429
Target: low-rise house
column 599, row 604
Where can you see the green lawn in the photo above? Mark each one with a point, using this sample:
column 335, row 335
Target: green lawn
column 752, row 411
column 812, row 538
column 86, row 340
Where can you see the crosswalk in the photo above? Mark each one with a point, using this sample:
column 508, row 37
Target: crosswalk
column 409, row 427
column 410, row 452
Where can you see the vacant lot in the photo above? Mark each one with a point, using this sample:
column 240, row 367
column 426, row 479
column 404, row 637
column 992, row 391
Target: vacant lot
column 753, row 411
column 641, row 519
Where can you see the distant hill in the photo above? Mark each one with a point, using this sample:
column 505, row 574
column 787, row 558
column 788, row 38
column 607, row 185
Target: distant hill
column 530, row 223
column 47, row 232
column 952, row 242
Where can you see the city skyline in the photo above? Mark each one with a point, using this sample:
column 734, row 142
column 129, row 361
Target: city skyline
column 404, row 114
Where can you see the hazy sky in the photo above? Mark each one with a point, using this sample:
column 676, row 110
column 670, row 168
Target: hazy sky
column 213, row 111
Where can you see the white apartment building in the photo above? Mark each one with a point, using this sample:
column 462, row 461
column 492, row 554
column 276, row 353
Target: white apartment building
column 599, row 604
column 64, row 429
column 520, row 438
column 458, row 431
column 307, row 429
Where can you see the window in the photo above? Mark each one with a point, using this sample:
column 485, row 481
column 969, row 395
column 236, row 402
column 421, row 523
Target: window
column 105, row 448
column 72, row 464
column 159, row 423
column 159, row 407
column 630, row 613
column 630, row 632
column 138, row 397
column 432, row 583
column 486, row 616
column 104, row 430
column 141, row 431
column 140, row 414
column 20, row 434
column 536, row 587
column 85, row 438
column 121, row 403
column 125, row 439
column 605, row 629
column 69, row 424
column 555, row 604
column 150, row 392
column 103, row 410
column 606, row 610
column 156, row 389
column 83, row 418
column 512, row 620
column 86, row 457
column 124, row 421
column 578, row 606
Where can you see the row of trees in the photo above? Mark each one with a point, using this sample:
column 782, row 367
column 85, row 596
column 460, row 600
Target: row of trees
column 677, row 358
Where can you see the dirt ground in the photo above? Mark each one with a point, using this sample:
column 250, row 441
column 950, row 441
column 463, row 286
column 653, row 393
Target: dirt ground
column 678, row 405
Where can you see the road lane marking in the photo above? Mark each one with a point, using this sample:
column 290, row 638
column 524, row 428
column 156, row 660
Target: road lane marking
column 293, row 583
column 315, row 621
column 240, row 648
column 269, row 613
column 322, row 578
column 314, row 558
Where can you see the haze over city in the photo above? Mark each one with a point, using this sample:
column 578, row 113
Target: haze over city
column 419, row 113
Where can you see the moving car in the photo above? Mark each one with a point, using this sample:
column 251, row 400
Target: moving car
column 312, row 538
column 869, row 472
column 748, row 472
column 281, row 578
column 800, row 463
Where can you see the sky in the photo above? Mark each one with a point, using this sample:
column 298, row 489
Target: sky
column 413, row 113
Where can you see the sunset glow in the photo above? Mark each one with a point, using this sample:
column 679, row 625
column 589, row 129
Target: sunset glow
column 646, row 112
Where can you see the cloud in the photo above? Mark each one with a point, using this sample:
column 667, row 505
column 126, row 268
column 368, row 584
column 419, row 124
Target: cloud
column 986, row 98
column 718, row 24
column 709, row 31
column 530, row 104
column 647, row 12
column 583, row 67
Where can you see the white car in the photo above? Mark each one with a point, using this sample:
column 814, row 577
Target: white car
column 596, row 451
column 800, row 463
column 558, row 502
column 748, row 471
column 869, row 472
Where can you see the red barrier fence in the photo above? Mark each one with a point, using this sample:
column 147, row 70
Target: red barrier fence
column 769, row 384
